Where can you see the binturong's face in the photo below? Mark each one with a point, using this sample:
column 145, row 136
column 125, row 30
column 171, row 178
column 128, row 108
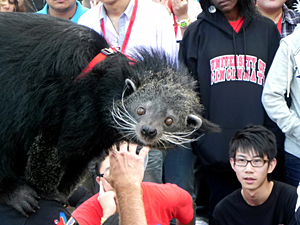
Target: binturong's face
column 252, row 175
column 7, row 6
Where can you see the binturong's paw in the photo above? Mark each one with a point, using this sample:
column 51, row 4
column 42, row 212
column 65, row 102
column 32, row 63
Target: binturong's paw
column 24, row 199
column 55, row 196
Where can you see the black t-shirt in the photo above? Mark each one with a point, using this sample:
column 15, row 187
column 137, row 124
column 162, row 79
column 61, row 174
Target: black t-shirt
column 50, row 213
column 279, row 208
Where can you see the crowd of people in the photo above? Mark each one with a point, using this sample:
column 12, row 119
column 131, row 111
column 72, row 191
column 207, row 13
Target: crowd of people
column 245, row 56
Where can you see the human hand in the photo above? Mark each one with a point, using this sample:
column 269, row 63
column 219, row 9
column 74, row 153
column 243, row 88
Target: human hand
column 180, row 9
column 126, row 166
column 107, row 201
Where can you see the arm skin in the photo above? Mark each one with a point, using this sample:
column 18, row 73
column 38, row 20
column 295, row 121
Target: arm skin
column 125, row 176
column 180, row 9
column 107, row 201
column 190, row 223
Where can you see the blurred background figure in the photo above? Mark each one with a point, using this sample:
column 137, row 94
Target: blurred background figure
column 69, row 9
column 285, row 18
column 9, row 6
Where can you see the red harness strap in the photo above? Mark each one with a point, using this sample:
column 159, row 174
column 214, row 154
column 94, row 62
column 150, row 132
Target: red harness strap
column 98, row 58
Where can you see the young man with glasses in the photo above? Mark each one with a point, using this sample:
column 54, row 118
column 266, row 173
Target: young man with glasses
column 260, row 200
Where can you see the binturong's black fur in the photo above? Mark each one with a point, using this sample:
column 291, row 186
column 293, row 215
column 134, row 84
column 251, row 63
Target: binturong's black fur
column 52, row 123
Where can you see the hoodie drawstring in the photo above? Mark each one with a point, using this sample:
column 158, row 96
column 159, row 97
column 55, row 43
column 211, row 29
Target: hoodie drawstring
column 235, row 55
column 245, row 64
column 234, row 46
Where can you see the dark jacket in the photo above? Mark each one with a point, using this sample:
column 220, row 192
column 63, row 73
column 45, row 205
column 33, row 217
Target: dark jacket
column 214, row 53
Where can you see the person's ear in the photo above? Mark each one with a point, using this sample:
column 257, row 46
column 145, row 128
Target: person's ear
column 98, row 180
column 272, row 165
column 232, row 164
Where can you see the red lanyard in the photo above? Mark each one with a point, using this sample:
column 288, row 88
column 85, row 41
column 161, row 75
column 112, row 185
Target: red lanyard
column 128, row 29
column 175, row 25
column 279, row 24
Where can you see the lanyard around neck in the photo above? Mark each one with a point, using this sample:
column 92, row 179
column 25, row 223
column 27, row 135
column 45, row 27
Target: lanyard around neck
column 128, row 32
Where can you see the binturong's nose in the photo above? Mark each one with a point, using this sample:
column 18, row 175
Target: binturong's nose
column 148, row 131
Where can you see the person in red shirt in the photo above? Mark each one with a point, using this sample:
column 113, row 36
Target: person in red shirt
column 162, row 202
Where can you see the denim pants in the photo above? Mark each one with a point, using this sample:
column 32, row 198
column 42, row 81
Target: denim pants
column 292, row 169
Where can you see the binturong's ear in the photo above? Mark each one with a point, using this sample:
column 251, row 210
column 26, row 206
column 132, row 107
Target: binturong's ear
column 194, row 121
column 209, row 127
column 130, row 85
column 202, row 124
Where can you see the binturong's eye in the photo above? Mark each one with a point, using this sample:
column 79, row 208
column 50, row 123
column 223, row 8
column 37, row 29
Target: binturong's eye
column 141, row 111
column 168, row 121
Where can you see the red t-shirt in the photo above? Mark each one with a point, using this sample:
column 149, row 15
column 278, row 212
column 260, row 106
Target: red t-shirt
column 236, row 25
column 162, row 202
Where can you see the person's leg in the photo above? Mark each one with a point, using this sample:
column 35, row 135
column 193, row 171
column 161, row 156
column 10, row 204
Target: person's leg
column 221, row 184
column 179, row 169
column 154, row 169
column 292, row 169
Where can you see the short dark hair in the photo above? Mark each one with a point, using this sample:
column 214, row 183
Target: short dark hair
column 254, row 138
column 99, row 161
column 247, row 8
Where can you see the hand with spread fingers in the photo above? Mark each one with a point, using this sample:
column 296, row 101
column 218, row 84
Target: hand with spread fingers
column 126, row 166
column 125, row 176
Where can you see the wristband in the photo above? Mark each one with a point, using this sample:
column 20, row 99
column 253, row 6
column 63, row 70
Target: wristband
column 103, row 220
column 184, row 23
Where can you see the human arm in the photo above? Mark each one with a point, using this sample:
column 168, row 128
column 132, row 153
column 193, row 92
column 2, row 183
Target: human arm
column 180, row 10
column 280, row 77
column 126, row 175
column 107, row 201
column 185, row 210
column 180, row 204
column 190, row 223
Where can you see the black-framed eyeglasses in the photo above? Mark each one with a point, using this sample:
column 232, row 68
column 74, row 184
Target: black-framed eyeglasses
column 106, row 172
column 259, row 162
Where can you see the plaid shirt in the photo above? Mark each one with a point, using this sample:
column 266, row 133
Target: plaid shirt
column 290, row 19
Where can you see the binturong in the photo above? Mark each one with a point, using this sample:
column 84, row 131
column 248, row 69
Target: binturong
column 159, row 106
column 56, row 115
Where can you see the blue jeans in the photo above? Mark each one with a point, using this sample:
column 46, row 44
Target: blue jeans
column 154, row 169
column 179, row 169
column 292, row 169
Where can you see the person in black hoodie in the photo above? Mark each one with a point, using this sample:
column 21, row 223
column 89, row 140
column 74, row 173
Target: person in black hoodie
column 229, row 50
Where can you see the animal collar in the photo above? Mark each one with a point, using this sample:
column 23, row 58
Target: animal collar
column 98, row 58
